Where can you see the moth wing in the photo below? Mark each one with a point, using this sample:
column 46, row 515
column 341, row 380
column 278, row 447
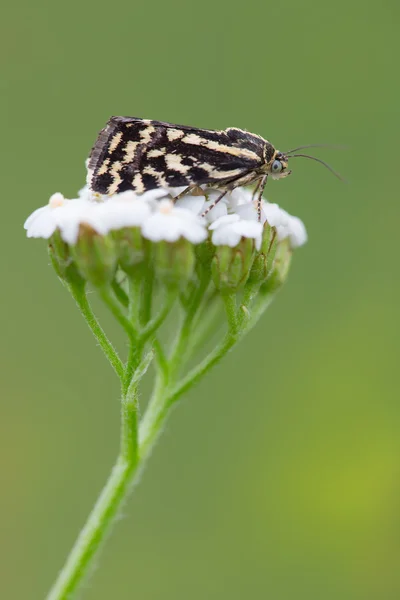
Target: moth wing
column 140, row 155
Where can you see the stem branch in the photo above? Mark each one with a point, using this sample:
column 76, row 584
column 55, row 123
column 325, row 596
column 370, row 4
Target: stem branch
column 81, row 300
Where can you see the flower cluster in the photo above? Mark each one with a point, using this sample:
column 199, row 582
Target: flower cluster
column 160, row 219
column 92, row 237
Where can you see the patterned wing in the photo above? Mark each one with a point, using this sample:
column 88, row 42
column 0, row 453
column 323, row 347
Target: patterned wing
column 141, row 155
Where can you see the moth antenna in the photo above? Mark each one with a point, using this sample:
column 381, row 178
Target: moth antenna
column 320, row 161
column 333, row 147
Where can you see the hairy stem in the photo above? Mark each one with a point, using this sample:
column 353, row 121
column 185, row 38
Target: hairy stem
column 137, row 440
column 105, row 510
column 79, row 294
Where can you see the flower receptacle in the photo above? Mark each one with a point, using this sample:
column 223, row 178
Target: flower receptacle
column 280, row 266
column 95, row 256
column 230, row 267
column 130, row 248
column 62, row 261
column 174, row 262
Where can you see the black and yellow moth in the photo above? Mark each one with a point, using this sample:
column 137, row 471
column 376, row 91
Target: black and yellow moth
column 142, row 155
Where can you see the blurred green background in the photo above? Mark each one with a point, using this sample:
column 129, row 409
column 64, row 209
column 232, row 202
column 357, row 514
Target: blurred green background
column 279, row 476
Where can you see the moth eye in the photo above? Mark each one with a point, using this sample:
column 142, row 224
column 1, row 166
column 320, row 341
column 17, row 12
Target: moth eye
column 276, row 166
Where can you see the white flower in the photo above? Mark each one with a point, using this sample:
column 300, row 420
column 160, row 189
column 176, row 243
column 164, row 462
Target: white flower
column 76, row 213
column 170, row 223
column 124, row 210
column 234, row 217
column 238, row 197
column 229, row 230
column 42, row 223
column 65, row 215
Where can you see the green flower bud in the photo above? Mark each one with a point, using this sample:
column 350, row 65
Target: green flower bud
column 230, row 267
column 204, row 253
column 280, row 267
column 262, row 265
column 130, row 247
column 62, row 261
column 174, row 262
column 95, row 256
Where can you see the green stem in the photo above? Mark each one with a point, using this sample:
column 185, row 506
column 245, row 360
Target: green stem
column 115, row 309
column 135, row 290
column 161, row 359
column 120, row 293
column 80, row 297
column 259, row 307
column 207, row 324
column 105, row 510
column 201, row 369
column 155, row 323
column 178, row 354
column 137, row 441
column 231, row 311
column 153, row 420
column 146, row 301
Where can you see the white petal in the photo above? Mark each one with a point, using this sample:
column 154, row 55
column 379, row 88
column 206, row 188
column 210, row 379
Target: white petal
column 222, row 221
column 225, row 236
column 160, row 227
column 196, row 233
column 156, row 194
column 282, row 232
column 41, row 223
column 193, row 203
column 119, row 213
column 228, row 231
column 43, row 210
column 56, row 200
column 297, row 232
column 250, row 229
column 170, row 223
column 239, row 196
column 273, row 214
column 85, row 193
column 249, row 212
column 78, row 212
column 220, row 210
column 128, row 196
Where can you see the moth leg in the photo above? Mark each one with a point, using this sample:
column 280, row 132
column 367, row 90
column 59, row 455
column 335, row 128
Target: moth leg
column 193, row 188
column 256, row 188
column 214, row 204
column 260, row 188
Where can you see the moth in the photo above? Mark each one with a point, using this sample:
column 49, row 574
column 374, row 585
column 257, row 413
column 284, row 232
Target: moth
column 141, row 155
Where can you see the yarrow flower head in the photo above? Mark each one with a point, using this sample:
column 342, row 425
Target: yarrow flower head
column 160, row 220
column 177, row 244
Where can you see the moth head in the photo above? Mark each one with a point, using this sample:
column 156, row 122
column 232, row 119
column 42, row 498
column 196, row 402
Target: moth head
column 278, row 166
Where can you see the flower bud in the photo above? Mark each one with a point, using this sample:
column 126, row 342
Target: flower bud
column 62, row 261
column 262, row 265
column 204, row 253
column 95, row 256
column 130, row 247
column 280, row 267
column 174, row 262
column 230, row 267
